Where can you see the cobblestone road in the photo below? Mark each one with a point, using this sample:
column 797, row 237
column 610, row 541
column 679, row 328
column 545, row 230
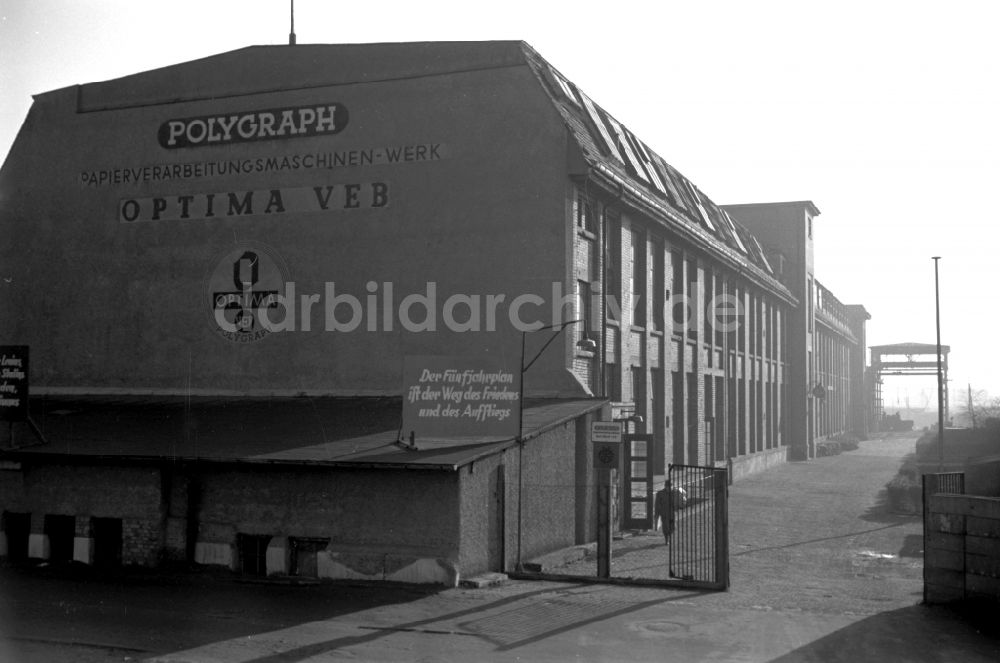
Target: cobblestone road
column 812, row 536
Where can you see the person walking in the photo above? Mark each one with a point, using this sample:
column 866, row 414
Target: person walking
column 664, row 512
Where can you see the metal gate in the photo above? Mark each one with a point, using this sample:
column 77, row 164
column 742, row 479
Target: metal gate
column 699, row 544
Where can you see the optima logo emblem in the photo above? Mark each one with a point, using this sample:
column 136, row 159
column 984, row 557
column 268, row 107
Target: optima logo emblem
column 244, row 285
column 297, row 122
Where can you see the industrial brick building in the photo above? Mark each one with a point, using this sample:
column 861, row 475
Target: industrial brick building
column 381, row 201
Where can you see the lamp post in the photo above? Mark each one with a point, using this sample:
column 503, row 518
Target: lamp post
column 940, row 375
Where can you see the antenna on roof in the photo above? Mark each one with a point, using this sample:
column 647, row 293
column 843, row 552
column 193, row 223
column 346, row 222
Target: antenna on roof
column 291, row 35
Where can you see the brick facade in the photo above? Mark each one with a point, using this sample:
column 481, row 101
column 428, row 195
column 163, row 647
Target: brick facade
column 706, row 393
column 412, row 525
column 142, row 541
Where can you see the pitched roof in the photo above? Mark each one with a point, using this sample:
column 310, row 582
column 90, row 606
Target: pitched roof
column 262, row 69
column 607, row 145
column 610, row 147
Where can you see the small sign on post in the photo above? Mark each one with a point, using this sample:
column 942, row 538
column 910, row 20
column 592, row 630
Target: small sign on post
column 607, row 455
column 606, row 431
column 606, row 437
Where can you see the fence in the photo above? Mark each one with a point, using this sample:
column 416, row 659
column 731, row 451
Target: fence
column 694, row 555
column 961, row 541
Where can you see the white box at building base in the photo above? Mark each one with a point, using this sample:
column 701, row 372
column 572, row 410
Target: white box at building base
column 83, row 549
column 38, row 546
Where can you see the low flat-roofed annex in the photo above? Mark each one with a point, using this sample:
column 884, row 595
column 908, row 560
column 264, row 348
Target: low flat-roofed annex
column 355, row 432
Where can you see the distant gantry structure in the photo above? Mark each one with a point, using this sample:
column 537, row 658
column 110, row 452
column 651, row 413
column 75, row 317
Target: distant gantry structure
column 905, row 359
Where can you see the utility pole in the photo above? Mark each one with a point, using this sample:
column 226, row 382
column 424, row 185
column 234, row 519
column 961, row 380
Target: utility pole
column 972, row 413
column 940, row 375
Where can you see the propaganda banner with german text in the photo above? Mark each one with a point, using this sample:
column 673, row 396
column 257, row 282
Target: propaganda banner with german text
column 448, row 397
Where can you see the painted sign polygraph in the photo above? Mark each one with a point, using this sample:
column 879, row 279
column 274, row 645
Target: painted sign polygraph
column 450, row 397
column 13, row 382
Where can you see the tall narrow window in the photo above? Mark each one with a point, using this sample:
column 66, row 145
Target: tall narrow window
column 679, row 301
column 709, row 319
column 714, row 307
column 638, row 379
column 734, row 319
column 809, row 304
column 693, row 300
column 584, row 308
column 585, row 214
column 637, row 283
column 613, row 265
column 659, row 299
column 613, row 382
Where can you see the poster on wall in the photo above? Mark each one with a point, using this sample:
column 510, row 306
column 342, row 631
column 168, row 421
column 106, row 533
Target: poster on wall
column 13, row 382
column 460, row 397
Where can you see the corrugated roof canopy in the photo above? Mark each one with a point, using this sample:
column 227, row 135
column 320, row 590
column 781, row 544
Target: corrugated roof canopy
column 299, row 431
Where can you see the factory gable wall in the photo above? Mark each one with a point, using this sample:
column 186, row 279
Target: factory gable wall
column 454, row 180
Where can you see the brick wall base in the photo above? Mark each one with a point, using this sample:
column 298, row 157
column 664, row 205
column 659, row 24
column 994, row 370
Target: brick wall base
column 744, row 466
column 385, row 567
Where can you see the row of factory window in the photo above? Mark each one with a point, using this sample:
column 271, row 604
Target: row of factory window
column 832, row 363
column 645, row 266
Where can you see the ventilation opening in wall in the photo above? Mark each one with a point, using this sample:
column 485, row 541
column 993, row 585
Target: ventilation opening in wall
column 107, row 542
column 253, row 553
column 303, row 556
column 60, row 530
column 17, row 528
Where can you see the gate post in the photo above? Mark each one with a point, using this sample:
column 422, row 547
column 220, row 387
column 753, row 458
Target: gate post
column 720, row 487
column 927, row 488
column 604, row 523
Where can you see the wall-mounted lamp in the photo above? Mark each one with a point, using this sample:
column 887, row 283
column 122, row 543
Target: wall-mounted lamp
column 587, row 344
column 636, row 419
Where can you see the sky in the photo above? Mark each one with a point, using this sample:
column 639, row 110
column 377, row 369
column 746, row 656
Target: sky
column 883, row 113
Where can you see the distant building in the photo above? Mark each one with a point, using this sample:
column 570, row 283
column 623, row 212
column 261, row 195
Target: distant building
column 418, row 199
column 826, row 339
